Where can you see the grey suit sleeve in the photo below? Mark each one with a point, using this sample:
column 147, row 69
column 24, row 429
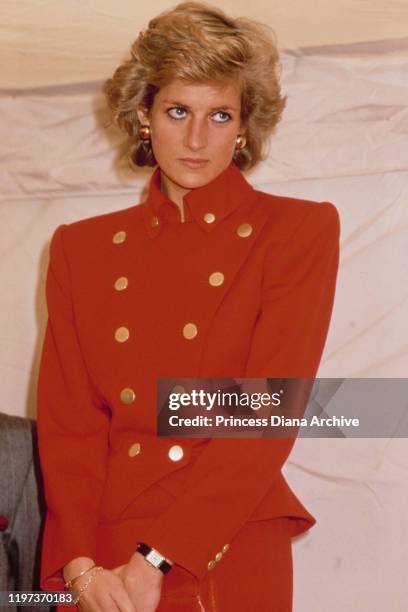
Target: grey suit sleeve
column 21, row 503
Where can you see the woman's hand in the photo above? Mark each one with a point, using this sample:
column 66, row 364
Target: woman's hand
column 142, row 582
column 105, row 593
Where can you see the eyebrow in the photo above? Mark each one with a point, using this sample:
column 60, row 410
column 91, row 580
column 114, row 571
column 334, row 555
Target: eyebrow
column 175, row 103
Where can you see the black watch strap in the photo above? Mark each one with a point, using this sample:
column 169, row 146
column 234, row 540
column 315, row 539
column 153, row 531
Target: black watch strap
column 144, row 550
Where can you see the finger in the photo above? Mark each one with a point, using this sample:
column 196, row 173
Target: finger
column 122, row 600
column 87, row 604
column 104, row 603
column 145, row 601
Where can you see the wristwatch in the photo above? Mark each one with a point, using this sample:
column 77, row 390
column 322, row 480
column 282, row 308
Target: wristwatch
column 154, row 558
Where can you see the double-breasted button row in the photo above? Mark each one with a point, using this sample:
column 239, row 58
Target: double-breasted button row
column 212, row 563
column 175, row 452
column 121, row 333
column 215, row 279
column 127, row 394
column 190, row 330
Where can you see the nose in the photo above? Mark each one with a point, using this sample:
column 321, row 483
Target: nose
column 196, row 134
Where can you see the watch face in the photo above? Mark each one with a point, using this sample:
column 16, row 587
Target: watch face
column 154, row 557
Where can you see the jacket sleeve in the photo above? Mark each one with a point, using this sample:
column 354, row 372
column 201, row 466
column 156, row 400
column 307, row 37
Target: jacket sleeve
column 231, row 476
column 73, row 426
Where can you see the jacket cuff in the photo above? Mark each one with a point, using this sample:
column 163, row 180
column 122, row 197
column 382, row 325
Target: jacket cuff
column 60, row 545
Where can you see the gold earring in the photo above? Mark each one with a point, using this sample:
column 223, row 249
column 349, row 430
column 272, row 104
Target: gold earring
column 240, row 142
column 144, row 132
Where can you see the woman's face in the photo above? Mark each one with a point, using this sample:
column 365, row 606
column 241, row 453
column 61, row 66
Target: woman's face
column 196, row 121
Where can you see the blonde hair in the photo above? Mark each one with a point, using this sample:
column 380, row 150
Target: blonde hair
column 197, row 42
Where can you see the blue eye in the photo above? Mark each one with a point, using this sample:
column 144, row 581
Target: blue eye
column 173, row 112
column 226, row 115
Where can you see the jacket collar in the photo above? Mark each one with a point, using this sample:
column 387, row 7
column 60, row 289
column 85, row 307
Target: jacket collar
column 207, row 205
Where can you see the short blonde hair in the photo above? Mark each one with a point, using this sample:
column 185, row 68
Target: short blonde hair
column 197, row 42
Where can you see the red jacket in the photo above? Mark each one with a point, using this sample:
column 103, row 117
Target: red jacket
column 131, row 297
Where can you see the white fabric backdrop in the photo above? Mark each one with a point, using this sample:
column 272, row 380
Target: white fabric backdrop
column 44, row 42
column 343, row 139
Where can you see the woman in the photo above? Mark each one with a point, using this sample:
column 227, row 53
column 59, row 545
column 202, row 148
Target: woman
column 206, row 278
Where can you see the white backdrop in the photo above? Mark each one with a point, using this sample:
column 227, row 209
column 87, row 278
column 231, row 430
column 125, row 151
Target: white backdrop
column 343, row 139
column 43, row 42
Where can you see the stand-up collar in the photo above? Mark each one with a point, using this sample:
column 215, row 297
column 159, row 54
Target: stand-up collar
column 207, row 205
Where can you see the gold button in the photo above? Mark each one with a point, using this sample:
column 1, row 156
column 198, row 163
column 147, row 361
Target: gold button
column 122, row 334
column 178, row 389
column 176, row 452
column 225, row 548
column 244, row 230
column 155, row 221
column 211, row 564
column 218, row 556
column 119, row 237
column 190, row 331
column 127, row 395
column 134, row 449
column 216, row 279
column 121, row 283
column 209, row 218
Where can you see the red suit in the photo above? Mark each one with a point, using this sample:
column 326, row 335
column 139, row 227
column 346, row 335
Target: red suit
column 243, row 288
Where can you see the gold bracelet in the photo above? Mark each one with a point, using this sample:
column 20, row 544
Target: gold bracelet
column 70, row 582
column 98, row 568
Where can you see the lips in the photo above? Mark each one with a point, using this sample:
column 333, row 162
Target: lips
column 194, row 159
column 194, row 163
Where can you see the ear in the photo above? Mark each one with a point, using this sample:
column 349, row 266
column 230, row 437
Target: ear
column 143, row 115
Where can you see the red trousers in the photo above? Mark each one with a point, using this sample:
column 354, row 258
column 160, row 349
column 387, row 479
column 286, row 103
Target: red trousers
column 254, row 574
